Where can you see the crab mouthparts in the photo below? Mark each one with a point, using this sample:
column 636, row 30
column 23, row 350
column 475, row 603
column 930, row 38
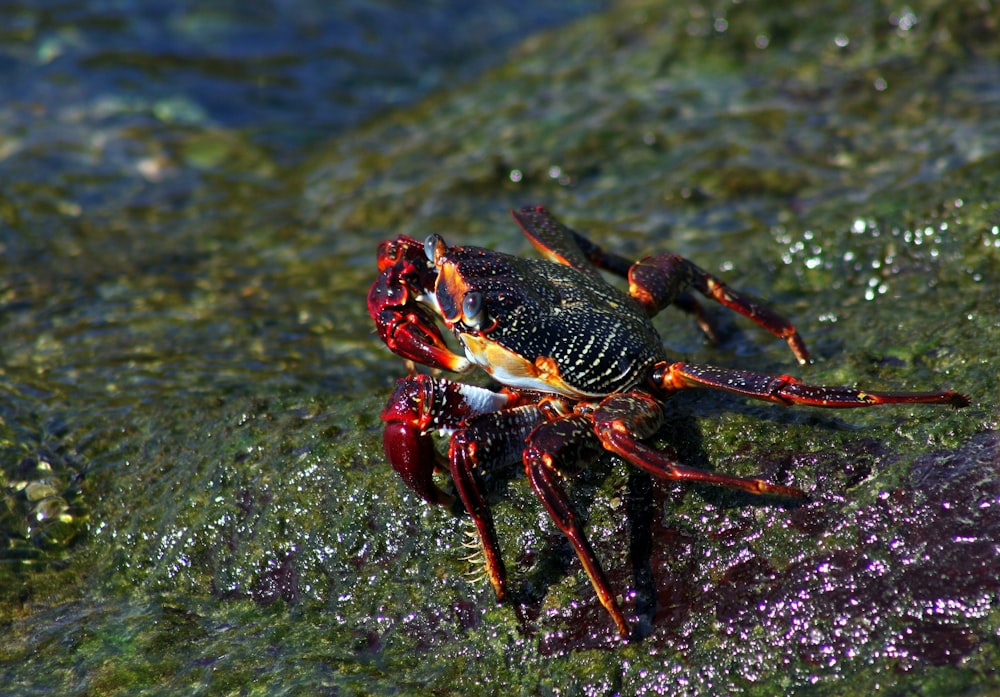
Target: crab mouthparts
column 513, row 370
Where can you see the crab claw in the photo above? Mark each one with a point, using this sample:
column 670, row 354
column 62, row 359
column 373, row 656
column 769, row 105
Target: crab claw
column 408, row 447
column 413, row 457
column 420, row 405
column 406, row 327
column 401, row 249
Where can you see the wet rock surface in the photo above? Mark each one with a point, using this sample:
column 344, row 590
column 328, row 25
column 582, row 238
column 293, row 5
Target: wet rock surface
column 193, row 483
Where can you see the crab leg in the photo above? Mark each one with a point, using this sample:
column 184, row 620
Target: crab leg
column 618, row 422
column 655, row 281
column 659, row 280
column 552, row 447
column 787, row 390
column 487, row 431
column 559, row 243
column 622, row 420
column 491, row 440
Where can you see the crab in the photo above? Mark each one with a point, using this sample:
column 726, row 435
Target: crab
column 580, row 368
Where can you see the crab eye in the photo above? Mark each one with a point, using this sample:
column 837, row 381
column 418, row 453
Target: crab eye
column 472, row 308
column 433, row 246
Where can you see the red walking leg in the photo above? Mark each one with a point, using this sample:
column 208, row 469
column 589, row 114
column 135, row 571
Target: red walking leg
column 787, row 390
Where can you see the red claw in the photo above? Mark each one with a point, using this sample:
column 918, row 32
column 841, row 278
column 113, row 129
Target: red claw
column 409, row 448
column 413, row 457
column 420, row 405
column 403, row 248
column 407, row 327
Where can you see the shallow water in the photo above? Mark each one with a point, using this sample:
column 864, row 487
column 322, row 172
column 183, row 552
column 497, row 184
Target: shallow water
column 195, row 495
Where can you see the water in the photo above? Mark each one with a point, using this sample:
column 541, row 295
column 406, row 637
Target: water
column 289, row 71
